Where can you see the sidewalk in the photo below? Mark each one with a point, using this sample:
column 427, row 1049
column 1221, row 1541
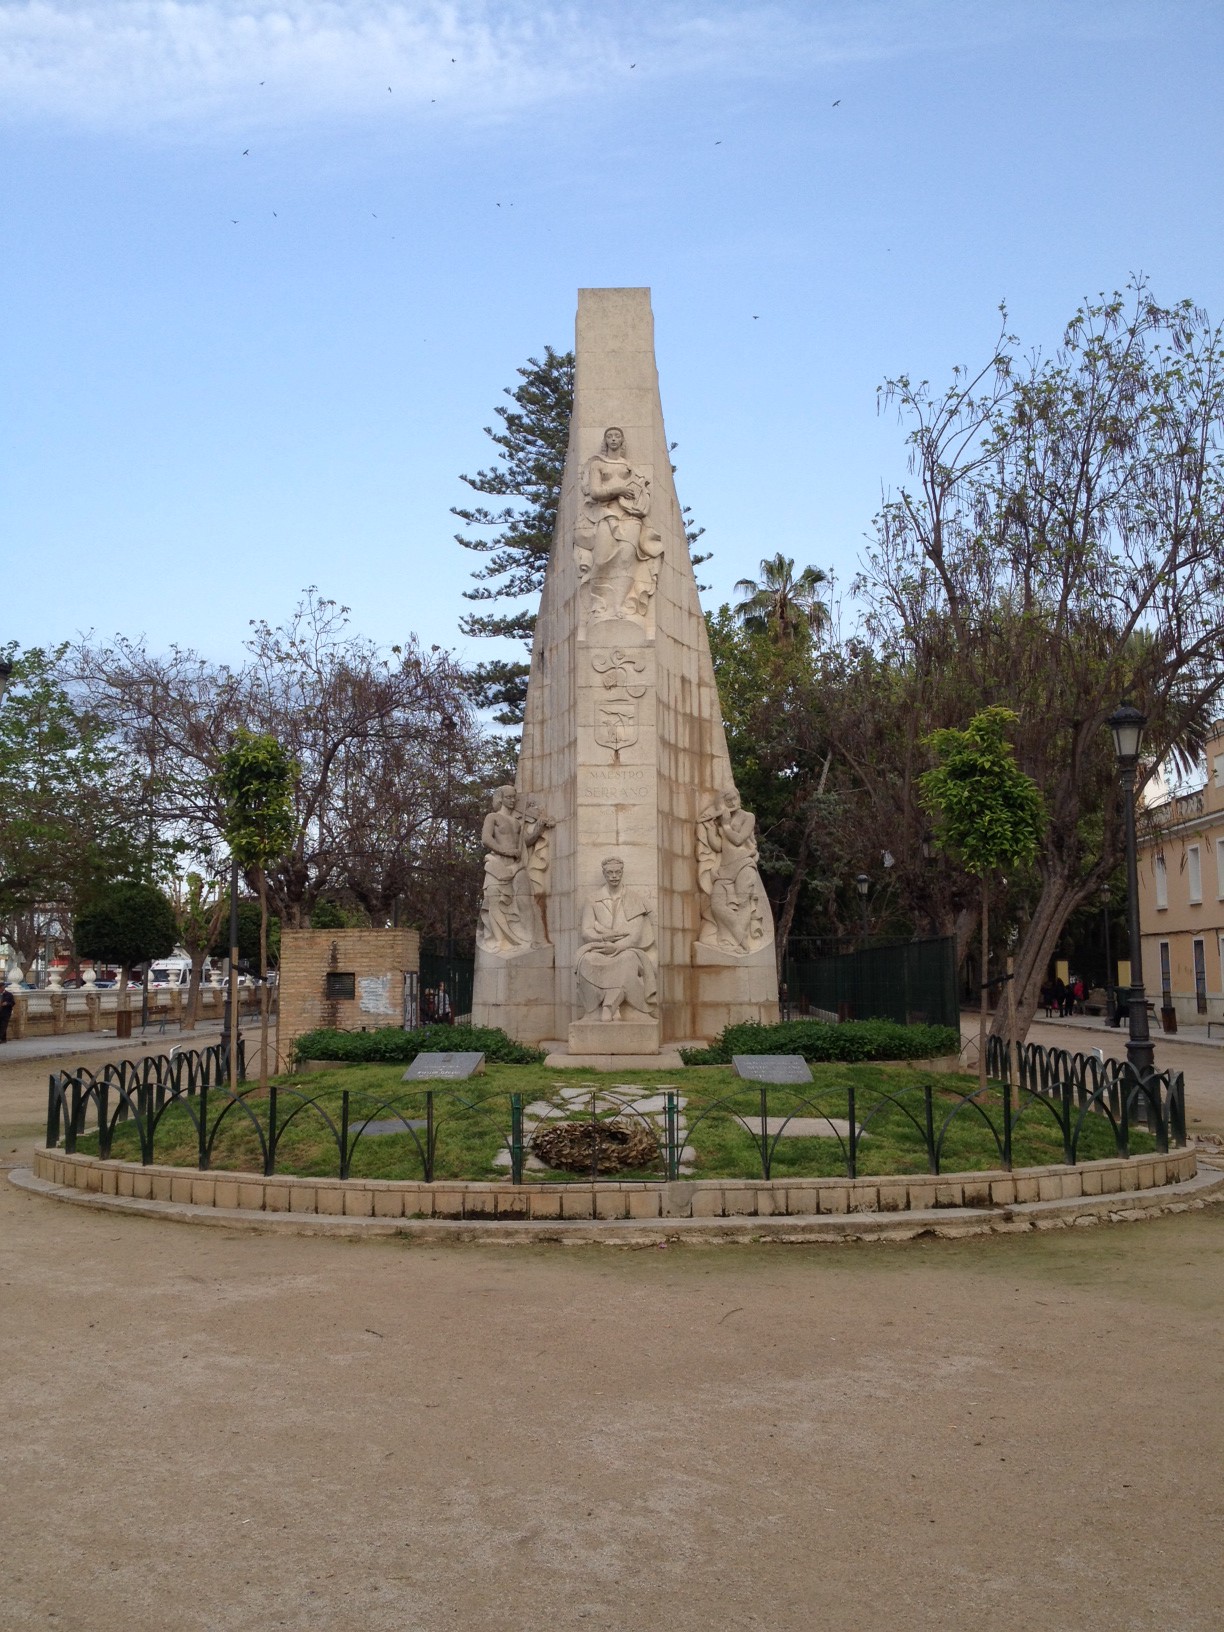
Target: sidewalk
column 151, row 1039
column 1096, row 1022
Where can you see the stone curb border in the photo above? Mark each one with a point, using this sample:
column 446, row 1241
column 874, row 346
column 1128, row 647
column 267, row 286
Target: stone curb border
column 1206, row 1185
column 609, row 1199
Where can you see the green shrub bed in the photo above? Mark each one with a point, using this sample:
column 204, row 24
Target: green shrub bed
column 850, row 1042
column 392, row 1045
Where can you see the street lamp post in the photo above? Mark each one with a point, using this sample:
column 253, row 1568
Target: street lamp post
column 230, row 1033
column 1127, row 723
column 862, row 884
column 449, row 725
column 1111, row 1005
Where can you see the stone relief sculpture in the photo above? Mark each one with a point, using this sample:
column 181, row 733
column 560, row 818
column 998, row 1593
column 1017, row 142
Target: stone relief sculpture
column 616, row 717
column 516, row 874
column 618, row 555
column 616, row 964
column 734, row 913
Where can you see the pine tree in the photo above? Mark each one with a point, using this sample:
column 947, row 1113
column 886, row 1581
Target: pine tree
column 533, row 439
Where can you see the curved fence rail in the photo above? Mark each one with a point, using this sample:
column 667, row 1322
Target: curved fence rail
column 1072, row 1091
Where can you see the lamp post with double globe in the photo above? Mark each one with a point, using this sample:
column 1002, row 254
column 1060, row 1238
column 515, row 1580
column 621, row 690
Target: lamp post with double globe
column 1127, row 723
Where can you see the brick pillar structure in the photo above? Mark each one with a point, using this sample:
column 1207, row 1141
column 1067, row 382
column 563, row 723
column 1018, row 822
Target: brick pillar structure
column 344, row 979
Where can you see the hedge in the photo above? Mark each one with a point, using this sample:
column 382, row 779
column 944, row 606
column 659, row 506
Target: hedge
column 391, row 1045
column 819, row 1040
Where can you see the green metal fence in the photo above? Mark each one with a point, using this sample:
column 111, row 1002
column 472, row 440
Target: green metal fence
column 912, row 982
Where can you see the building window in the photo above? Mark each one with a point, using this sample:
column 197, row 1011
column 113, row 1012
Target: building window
column 1220, row 868
column 1200, row 977
column 1218, row 763
column 1162, row 884
column 1194, row 874
column 1166, row 975
column 340, row 988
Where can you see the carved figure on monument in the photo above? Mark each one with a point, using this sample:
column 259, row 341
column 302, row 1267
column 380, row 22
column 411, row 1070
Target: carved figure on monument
column 733, row 910
column 618, row 555
column 616, row 964
column 538, row 859
column 509, row 919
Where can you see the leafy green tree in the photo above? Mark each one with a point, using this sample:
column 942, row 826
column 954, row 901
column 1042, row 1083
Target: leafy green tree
column 771, row 697
column 249, row 920
column 988, row 814
column 69, row 801
column 781, row 601
column 329, row 914
column 125, row 924
column 255, row 780
column 533, row 440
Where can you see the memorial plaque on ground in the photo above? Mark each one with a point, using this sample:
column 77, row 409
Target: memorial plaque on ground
column 771, row 1067
column 446, row 1067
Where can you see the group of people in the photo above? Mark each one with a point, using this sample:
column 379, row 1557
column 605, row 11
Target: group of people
column 1063, row 997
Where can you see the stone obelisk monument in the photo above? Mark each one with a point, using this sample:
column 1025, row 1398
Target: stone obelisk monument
column 623, row 910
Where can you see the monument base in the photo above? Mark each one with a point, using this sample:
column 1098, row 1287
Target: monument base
column 515, row 991
column 559, row 1058
column 614, row 1037
column 733, row 989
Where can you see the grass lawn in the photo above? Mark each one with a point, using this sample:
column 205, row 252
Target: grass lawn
column 472, row 1123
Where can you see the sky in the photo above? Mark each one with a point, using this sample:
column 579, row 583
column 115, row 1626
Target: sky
column 267, row 268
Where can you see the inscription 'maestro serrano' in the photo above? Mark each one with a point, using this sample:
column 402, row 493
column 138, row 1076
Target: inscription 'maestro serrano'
column 614, row 784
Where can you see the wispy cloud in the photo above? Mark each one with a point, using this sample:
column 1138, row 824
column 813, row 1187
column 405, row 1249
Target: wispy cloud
column 174, row 63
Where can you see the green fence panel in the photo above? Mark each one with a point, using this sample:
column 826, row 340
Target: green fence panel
column 912, row 982
column 453, row 974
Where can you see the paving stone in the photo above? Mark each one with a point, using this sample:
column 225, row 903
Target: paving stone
column 804, row 1127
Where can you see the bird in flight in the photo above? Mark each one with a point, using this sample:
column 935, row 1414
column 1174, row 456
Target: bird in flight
column 837, row 104
column 756, row 317
column 633, row 65
column 246, row 152
column 718, row 144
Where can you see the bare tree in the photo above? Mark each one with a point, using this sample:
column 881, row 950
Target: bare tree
column 361, row 724
column 1063, row 547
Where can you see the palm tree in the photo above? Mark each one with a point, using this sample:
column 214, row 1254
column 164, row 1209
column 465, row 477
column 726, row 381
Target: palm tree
column 781, row 601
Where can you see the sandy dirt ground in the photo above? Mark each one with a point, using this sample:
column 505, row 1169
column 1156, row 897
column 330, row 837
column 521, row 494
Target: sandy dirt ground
column 205, row 1431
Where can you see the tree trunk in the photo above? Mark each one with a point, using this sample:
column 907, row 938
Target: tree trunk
column 1060, row 895
column 791, row 901
column 193, row 989
column 985, row 991
column 263, row 980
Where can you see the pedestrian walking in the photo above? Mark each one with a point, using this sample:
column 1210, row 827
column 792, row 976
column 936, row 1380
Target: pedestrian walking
column 6, row 1012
